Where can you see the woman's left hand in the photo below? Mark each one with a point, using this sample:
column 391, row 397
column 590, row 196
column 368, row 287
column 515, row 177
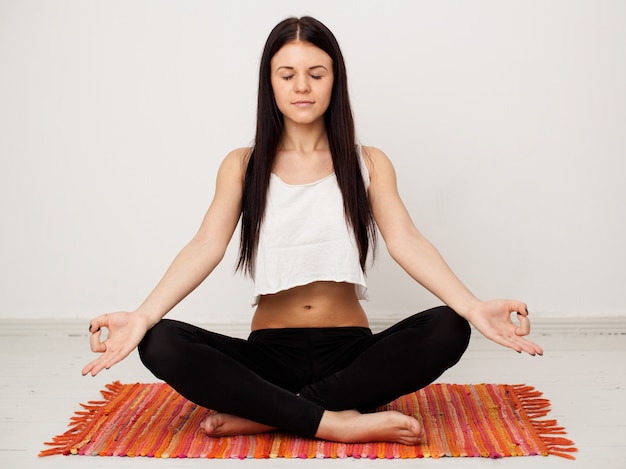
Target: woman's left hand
column 493, row 320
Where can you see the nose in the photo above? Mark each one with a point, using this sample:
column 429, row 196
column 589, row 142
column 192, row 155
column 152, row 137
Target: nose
column 301, row 84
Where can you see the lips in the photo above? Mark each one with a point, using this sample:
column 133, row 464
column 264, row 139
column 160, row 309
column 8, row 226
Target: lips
column 303, row 103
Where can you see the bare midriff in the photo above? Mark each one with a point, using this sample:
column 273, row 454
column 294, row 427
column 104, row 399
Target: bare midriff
column 318, row 304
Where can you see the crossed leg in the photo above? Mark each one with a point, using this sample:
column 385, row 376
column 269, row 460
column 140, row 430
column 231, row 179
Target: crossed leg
column 249, row 404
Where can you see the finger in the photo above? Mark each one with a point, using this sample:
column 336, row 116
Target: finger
column 524, row 325
column 515, row 306
column 527, row 346
column 86, row 369
column 97, row 369
column 505, row 342
column 98, row 323
column 531, row 347
column 96, row 344
column 519, row 345
column 104, row 362
column 93, row 367
column 89, row 368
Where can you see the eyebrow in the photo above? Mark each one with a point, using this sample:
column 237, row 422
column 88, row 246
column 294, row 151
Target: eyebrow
column 293, row 68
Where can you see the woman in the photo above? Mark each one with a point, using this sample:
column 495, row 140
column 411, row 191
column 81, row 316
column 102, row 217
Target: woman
column 309, row 200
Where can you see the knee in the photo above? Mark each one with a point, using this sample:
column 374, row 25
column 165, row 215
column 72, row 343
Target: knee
column 156, row 348
column 454, row 330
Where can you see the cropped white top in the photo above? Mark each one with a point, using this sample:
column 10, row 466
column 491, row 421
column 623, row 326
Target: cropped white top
column 305, row 237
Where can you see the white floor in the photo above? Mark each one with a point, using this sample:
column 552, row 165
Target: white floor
column 582, row 373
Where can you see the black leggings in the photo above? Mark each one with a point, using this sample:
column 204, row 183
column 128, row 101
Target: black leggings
column 286, row 378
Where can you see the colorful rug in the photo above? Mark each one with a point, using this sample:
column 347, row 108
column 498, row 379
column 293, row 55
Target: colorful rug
column 486, row 420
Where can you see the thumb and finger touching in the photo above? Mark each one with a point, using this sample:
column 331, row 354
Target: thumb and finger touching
column 524, row 325
column 97, row 345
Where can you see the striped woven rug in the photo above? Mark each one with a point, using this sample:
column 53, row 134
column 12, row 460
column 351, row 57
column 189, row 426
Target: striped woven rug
column 487, row 420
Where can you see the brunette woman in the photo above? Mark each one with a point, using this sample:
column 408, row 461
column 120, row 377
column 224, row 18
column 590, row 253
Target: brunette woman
column 309, row 199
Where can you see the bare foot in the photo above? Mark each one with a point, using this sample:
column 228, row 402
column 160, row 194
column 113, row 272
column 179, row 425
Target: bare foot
column 350, row 426
column 229, row 425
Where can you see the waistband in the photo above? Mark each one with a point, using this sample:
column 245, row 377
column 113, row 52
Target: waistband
column 310, row 332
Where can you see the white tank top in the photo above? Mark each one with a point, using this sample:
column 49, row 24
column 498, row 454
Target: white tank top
column 305, row 238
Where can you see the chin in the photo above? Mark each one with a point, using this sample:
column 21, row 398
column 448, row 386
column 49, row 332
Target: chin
column 304, row 120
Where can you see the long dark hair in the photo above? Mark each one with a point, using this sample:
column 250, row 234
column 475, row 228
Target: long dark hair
column 341, row 137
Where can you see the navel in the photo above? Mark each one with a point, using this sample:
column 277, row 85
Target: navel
column 308, row 307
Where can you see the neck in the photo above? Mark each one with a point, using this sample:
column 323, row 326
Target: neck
column 304, row 138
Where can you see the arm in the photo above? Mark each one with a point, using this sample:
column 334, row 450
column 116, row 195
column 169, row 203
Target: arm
column 191, row 266
column 421, row 260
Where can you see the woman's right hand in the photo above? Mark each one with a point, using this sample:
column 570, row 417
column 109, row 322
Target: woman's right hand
column 125, row 332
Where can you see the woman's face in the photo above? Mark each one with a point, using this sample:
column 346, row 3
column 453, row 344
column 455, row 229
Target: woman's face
column 302, row 80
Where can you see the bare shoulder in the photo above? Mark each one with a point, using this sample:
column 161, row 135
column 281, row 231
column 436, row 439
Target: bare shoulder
column 238, row 158
column 378, row 163
column 235, row 163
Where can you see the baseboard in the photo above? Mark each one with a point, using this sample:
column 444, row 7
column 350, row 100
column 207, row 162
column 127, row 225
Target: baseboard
column 601, row 325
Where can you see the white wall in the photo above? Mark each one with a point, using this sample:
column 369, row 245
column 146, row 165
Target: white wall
column 506, row 122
